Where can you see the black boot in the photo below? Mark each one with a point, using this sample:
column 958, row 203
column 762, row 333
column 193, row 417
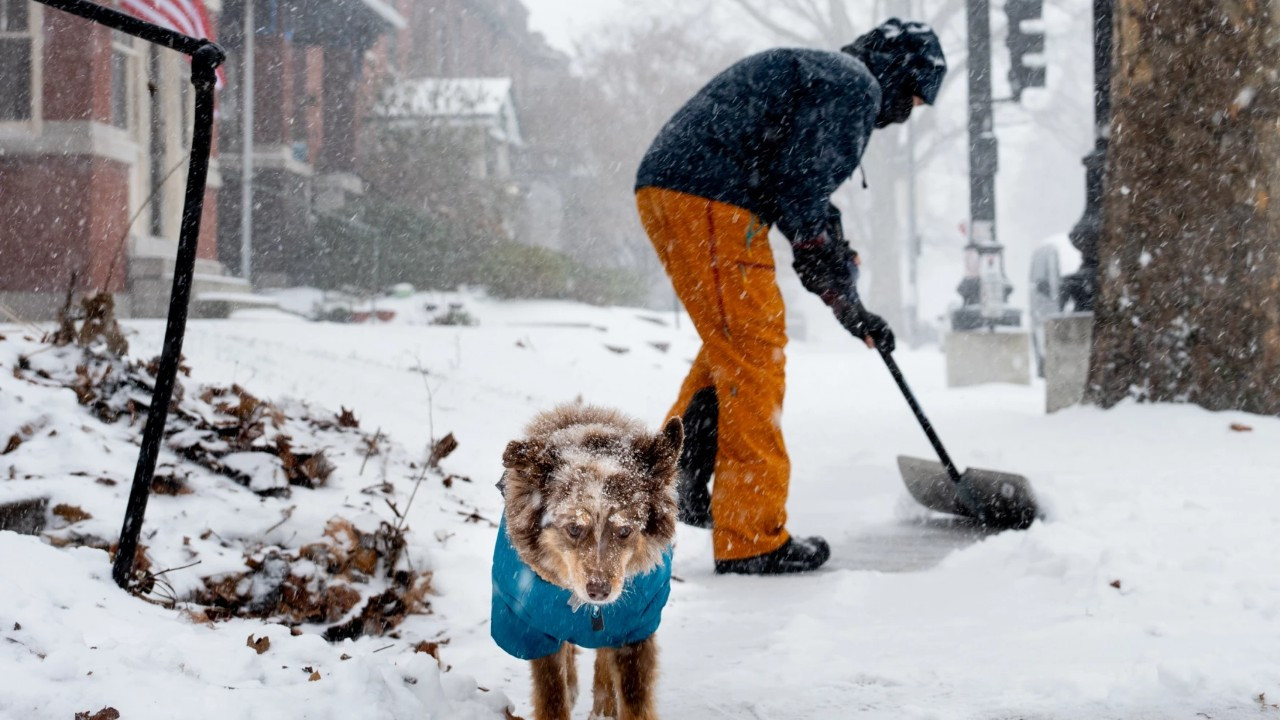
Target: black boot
column 698, row 458
column 795, row 556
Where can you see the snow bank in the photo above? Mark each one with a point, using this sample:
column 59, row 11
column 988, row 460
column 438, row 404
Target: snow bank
column 1147, row 593
column 71, row 641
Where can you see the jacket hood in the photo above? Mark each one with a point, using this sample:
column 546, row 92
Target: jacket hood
column 906, row 59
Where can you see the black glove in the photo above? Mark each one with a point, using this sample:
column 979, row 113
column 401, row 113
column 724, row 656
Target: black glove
column 862, row 323
column 823, row 261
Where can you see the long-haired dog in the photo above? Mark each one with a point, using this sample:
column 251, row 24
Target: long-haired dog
column 583, row 556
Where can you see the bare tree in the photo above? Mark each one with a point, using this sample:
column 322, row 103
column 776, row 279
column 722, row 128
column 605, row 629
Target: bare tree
column 1189, row 309
column 635, row 76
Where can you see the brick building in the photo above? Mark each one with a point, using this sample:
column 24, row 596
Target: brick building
column 92, row 127
column 321, row 68
column 95, row 132
column 94, row 135
column 312, row 88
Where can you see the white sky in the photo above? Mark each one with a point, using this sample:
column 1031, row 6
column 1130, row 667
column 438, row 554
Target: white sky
column 563, row 20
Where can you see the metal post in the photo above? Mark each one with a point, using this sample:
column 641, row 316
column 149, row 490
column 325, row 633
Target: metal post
column 984, row 288
column 204, row 64
column 1081, row 287
column 248, row 84
column 206, row 57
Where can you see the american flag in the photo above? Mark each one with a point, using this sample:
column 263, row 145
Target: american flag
column 188, row 17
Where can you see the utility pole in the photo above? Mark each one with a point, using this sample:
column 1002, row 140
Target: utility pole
column 1081, row 287
column 984, row 288
column 246, row 161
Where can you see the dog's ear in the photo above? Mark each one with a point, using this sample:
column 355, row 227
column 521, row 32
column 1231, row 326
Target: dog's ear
column 525, row 454
column 519, row 454
column 660, row 453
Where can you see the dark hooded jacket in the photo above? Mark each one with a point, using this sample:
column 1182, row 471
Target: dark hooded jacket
column 778, row 132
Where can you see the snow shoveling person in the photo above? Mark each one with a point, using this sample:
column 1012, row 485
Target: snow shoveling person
column 765, row 143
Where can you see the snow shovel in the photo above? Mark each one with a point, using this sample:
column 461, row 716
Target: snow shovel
column 999, row 500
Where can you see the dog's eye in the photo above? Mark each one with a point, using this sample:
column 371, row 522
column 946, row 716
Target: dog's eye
column 574, row 531
column 624, row 532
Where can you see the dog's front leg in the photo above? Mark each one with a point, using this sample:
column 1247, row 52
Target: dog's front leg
column 604, row 702
column 553, row 685
column 637, row 667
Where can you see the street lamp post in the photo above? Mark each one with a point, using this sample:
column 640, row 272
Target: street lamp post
column 1081, row 286
column 984, row 288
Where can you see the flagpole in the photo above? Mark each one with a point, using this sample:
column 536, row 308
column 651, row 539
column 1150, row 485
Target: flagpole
column 246, row 163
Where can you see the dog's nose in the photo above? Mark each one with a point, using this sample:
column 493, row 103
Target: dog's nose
column 597, row 590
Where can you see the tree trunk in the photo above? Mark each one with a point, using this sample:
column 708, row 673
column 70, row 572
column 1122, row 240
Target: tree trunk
column 887, row 167
column 884, row 206
column 1189, row 308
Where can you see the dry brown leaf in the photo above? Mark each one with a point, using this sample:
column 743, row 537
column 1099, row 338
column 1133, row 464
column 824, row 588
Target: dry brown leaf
column 1241, row 427
column 14, row 441
column 428, row 647
column 442, row 449
column 314, row 676
column 347, row 419
column 106, row 713
column 168, row 483
column 70, row 513
column 365, row 559
column 1115, row 584
column 261, row 645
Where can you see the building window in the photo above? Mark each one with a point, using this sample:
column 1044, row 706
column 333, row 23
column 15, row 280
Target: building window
column 125, row 67
column 16, row 54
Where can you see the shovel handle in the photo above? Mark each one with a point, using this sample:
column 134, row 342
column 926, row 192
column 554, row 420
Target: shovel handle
column 963, row 490
column 919, row 413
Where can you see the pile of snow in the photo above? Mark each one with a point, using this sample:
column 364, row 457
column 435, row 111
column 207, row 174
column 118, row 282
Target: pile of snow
column 278, row 513
column 73, row 642
column 1145, row 593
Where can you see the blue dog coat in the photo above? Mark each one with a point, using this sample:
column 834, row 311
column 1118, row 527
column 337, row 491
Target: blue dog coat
column 531, row 617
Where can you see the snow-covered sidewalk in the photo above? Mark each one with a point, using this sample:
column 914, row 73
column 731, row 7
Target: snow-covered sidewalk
column 1149, row 592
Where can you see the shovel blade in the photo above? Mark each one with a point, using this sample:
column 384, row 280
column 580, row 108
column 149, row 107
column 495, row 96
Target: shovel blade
column 998, row 499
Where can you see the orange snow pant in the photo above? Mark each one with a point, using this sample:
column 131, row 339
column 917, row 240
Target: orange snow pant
column 719, row 261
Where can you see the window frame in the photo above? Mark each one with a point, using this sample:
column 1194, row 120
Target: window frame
column 126, row 48
column 34, row 34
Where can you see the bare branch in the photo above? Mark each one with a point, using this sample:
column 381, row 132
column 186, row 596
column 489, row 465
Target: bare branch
column 772, row 26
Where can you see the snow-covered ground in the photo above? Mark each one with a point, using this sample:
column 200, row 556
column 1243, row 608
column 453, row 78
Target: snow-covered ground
column 1148, row 592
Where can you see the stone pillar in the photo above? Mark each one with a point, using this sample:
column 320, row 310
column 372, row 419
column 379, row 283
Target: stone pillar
column 1068, row 340
column 975, row 357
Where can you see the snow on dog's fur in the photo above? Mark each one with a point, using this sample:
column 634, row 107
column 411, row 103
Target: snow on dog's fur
column 590, row 502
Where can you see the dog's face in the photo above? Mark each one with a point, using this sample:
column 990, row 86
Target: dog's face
column 591, row 499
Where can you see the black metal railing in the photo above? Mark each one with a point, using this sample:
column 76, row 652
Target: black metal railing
column 206, row 57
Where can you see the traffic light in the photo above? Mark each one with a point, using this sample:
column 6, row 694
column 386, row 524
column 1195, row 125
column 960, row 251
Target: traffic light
column 1026, row 47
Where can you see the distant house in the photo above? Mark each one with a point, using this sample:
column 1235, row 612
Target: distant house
column 489, row 41
column 310, row 87
column 484, row 105
column 95, row 133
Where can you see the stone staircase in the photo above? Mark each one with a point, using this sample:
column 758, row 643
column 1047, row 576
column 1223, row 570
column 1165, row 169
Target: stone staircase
column 214, row 294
